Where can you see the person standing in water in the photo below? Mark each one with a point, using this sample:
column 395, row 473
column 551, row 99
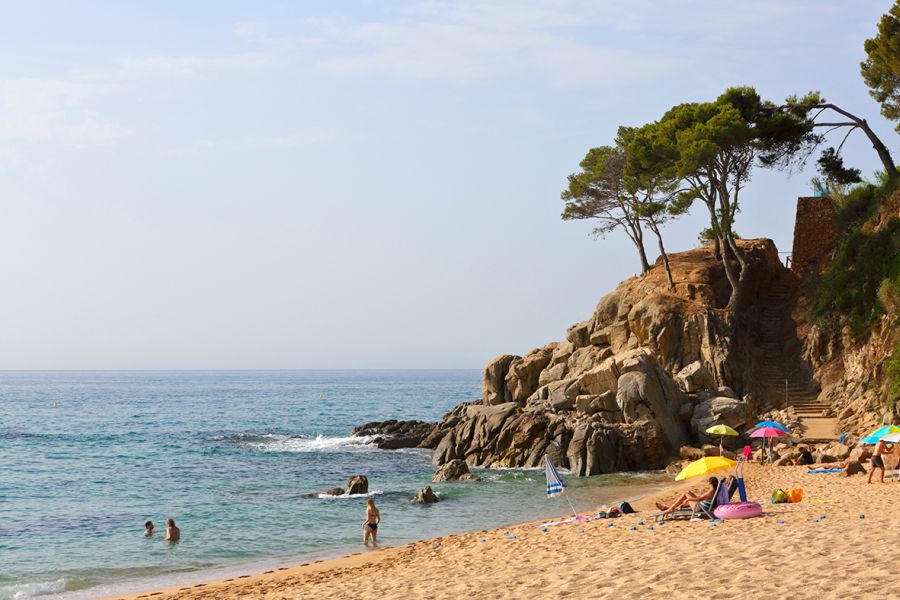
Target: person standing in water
column 878, row 459
column 370, row 525
column 173, row 534
column 148, row 528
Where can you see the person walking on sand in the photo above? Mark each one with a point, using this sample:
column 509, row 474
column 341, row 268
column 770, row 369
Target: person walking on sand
column 173, row 534
column 878, row 459
column 370, row 525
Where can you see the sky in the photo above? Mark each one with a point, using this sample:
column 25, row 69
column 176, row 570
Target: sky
column 339, row 185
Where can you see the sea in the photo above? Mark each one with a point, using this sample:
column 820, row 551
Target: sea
column 237, row 458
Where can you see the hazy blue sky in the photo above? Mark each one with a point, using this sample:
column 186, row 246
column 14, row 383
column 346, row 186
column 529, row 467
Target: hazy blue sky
column 354, row 184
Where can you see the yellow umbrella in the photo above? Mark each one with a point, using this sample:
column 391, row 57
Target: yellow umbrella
column 705, row 466
column 721, row 431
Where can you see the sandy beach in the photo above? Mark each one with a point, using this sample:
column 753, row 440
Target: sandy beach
column 782, row 554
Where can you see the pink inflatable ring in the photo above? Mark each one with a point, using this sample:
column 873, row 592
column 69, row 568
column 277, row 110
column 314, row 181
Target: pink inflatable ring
column 738, row 510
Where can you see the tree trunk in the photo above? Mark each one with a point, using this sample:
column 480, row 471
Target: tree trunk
column 738, row 285
column 637, row 236
column 884, row 154
column 662, row 252
column 645, row 266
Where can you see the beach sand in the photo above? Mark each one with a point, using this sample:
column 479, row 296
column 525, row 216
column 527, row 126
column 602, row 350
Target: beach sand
column 782, row 554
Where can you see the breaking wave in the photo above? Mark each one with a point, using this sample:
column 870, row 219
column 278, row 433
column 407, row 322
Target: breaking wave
column 20, row 591
column 277, row 442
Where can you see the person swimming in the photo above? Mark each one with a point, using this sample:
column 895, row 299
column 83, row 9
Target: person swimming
column 148, row 528
column 370, row 525
column 173, row 534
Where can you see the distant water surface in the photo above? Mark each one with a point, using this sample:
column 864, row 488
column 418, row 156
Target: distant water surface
column 87, row 457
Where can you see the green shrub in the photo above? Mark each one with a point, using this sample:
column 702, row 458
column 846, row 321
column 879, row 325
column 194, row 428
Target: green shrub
column 851, row 285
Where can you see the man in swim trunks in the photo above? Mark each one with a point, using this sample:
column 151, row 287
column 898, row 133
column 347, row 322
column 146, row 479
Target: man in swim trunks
column 878, row 459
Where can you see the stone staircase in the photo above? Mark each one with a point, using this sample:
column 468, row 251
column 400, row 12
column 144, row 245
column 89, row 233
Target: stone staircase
column 781, row 383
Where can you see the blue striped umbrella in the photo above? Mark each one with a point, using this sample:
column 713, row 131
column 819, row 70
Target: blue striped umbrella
column 555, row 485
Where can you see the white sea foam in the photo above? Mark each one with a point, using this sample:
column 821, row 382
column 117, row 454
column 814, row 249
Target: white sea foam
column 371, row 494
column 20, row 591
column 289, row 443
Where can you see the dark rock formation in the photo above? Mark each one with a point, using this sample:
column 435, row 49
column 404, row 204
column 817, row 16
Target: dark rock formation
column 358, row 484
column 394, row 434
column 425, row 496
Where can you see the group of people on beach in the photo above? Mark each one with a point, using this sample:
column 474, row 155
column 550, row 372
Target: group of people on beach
column 173, row 534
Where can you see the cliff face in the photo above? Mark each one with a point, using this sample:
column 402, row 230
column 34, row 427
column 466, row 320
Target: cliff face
column 649, row 371
column 849, row 365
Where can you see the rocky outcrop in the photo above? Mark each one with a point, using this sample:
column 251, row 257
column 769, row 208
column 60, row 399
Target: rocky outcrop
column 394, row 434
column 356, row 484
column 425, row 496
column 454, row 470
column 629, row 386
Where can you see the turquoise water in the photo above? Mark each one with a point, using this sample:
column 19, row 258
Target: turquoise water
column 87, row 457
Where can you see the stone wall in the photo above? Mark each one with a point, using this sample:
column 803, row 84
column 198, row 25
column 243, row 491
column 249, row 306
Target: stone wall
column 814, row 233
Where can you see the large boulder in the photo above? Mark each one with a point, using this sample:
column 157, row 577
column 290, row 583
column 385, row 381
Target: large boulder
column 695, row 377
column 524, row 374
column 493, row 379
column 579, row 334
column 718, row 410
column 647, row 393
column 602, row 378
column 455, row 470
column 425, row 496
column 358, row 484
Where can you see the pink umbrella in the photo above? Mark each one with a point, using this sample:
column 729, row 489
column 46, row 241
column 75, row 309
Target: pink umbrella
column 767, row 432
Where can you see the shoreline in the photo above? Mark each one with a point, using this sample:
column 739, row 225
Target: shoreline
column 340, row 561
column 821, row 547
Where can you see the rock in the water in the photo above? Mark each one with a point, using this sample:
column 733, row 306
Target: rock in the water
column 425, row 496
column 336, row 491
column 358, row 484
column 394, row 434
column 455, row 470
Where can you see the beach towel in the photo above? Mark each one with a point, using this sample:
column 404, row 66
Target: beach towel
column 818, row 471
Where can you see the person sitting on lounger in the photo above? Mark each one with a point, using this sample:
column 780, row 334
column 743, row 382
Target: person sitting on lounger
column 691, row 499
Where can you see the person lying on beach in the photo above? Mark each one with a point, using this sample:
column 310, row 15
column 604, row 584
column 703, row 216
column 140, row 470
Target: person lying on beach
column 370, row 525
column 173, row 534
column 148, row 528
column 691, row 498
column 878, row 459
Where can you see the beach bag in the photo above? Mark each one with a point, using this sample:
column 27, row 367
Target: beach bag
column 779, row 496
column 626, row 508
column 795, row 495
